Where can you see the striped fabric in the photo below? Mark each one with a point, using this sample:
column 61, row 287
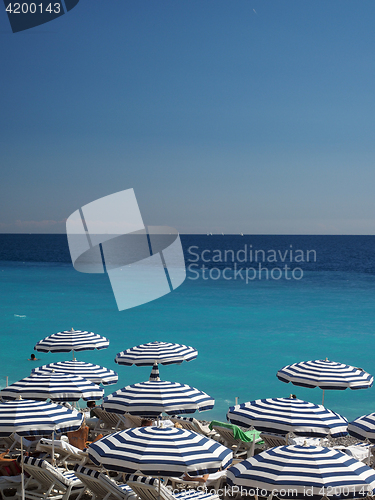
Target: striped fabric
column 159, row 451
column 164, row 353
column 283, row 415
column 363, row 428
column 37, row 418
column 153, row 398
column 55, row 386
column 141, row 479
column 86, row 471
column 72, row 340
column 65, row 477
column 307, row 471
column 154, row 375
column 326, row 375
column 95, row 373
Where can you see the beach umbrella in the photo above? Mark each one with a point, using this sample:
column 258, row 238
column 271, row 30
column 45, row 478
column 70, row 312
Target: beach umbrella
column 363, row 428
column 328, row 375
column 165, row 353
column 72, row 340
column 159, row 451
column 302, row 472
column 284, row 415
column 55, row 386
column 36, row 418
column 95, row 373
column 156, row 396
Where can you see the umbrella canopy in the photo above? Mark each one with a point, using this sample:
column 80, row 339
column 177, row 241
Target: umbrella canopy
column 37, row 418
column 326, row 375
column 154, row 397
column 159, row 451
column 283, row 415
column 95, row 373
column 306, row 471
column 55, row 386
column 164, row 353
column 363, row 428
column 72, row 340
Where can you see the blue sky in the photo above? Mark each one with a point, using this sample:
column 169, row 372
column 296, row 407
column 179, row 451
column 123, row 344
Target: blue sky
column 229, row 116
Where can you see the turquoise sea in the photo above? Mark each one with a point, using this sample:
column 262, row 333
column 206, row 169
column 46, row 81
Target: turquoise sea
column 244, row 332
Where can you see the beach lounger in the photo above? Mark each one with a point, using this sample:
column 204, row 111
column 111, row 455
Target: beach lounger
column 273, row 440
column 101, row 486
column 53, row 483
column 214, row 482
column 15, row 448
column 239, row 441
column 108, row 422
column 148, row 488
column 192, row 424
column 64, row 452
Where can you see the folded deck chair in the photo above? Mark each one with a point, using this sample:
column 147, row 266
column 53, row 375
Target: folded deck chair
column 64, row 452
column 241, row 442
column 53, row 483
column 103, row 487
column 108, row 422
column 148, row 488
column 192, row 424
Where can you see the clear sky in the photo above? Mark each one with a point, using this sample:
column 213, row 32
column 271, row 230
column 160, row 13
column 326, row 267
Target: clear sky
column 253, row 116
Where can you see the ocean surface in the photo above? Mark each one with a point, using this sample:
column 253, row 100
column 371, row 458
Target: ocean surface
column 322, row 305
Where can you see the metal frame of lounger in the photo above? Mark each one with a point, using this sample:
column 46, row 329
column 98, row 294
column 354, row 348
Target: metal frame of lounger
column 51, row 486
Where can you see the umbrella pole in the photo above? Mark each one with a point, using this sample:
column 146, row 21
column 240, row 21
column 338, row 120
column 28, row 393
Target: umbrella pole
column 323, row 398
column 73, row 354
column 22, row 472
column 53, row 448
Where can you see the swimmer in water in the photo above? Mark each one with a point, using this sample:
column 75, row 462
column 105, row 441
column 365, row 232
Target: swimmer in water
column 33, row 358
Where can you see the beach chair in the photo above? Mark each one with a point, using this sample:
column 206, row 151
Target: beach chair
column 64, row 452
column 130, row 421
column 192, row 424
column 149, row 488
column 273, row 440
column 28, row 445
column 214, row 482
column 53, row 483
column 101, row 486
column 240, row 442
column 108, row 422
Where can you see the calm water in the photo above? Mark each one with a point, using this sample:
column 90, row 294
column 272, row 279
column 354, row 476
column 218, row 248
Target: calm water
column 244, row 332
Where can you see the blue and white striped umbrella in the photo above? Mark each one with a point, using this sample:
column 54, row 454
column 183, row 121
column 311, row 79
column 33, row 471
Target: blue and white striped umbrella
column 55, row 386
column 37, row 418
column 164, row 353
column 95, row 373
column 363, row 428
column 306, row 471
column 72, row 340
column 159, row 451
column 156, row 396
column 283, row 415
column 326, row 375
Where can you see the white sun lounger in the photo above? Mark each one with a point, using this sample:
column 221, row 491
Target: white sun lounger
column 148, row 488
column 64, row 452
column 53, row 483
column 101, row 486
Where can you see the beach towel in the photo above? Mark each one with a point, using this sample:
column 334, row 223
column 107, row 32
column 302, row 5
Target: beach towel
column 245, row 436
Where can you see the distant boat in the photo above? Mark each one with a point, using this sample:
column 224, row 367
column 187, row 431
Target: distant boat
column 241, row 234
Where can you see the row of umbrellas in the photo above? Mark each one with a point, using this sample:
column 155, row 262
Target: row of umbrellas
column 159, row 451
